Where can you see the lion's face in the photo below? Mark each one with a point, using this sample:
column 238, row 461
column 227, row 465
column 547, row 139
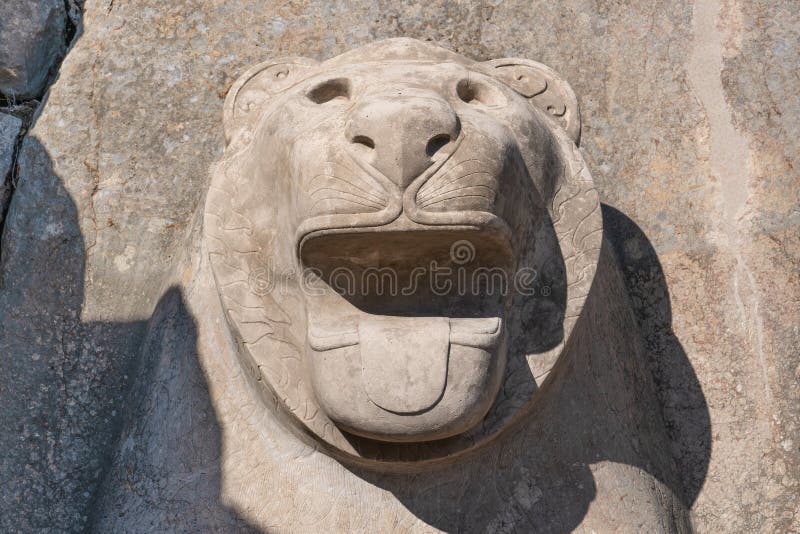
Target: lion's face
column 366, row 174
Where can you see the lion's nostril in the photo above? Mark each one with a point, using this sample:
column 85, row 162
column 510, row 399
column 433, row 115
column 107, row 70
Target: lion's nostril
column 364, row 140
column 436, row 143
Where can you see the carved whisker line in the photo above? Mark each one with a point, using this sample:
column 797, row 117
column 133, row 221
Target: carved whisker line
column 342, row 199
column 246, row 229
column 346, row 193
column 257, row 307
column 342, row 165
column 226, row 229
column 486, row 182
column 226, row 245
column 434, row 199
column 366, row 195
column 460, row 196
column 440, row 181
column 238, row 308
column 459, row 164
column 330, row 187
column 379, row 196
column 355, row 173
column 278, row 335
column 265, row 323
column 226, row 250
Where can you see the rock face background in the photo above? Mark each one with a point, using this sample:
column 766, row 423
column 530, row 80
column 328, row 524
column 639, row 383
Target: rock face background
column 691, row 116
column 32, row 39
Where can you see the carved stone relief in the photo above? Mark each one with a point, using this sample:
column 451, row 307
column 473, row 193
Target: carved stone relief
column 129, row 407
column 402, row 240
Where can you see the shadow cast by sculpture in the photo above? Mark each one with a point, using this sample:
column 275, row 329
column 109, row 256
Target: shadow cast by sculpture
column 63, row 382
column 60, row 377
column 682, row 400
column 165, row 473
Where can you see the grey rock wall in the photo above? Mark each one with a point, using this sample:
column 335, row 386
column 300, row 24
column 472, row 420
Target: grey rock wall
column 32, row 40
column 690, row 117
column 10, row 127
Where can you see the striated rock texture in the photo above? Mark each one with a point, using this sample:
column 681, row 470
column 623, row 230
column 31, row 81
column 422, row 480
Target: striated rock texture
column 690, row 117
column 9, row 130
column 32, row 40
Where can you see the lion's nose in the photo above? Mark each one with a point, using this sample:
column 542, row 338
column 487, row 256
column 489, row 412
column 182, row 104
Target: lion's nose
column 401, row 132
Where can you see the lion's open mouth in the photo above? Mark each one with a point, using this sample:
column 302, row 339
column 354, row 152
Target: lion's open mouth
column 403, row 299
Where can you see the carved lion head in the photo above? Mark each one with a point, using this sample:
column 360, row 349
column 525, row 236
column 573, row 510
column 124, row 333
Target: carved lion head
column 402, row 240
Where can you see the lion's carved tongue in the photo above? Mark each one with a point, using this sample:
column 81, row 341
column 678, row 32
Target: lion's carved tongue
column 404, row 361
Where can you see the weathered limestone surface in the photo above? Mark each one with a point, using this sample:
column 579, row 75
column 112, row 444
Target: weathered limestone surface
column 32, row 39
column 690, row 119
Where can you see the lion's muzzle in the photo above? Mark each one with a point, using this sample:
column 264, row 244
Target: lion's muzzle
column 400, row 132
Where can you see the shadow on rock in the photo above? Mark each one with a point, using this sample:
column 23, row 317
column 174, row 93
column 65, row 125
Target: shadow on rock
column 61, row 379
column 166, row 472
column 64, row 383
column 682, row 400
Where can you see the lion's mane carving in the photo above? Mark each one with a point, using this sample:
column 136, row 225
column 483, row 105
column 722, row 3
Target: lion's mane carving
column 309, row 170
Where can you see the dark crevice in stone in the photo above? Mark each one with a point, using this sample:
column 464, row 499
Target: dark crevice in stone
column 10, row 182
column 73, row 10
column 9, row 103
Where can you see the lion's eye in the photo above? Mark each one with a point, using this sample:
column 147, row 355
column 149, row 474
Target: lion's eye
column 337, row 88
column 476, row 92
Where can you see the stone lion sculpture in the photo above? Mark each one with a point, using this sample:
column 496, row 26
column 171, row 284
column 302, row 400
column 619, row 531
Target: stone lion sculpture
column 376, row 163
column 406, row 316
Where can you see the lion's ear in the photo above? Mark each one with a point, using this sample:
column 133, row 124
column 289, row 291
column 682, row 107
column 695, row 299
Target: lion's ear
column 545, row 89
column 258, row 85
